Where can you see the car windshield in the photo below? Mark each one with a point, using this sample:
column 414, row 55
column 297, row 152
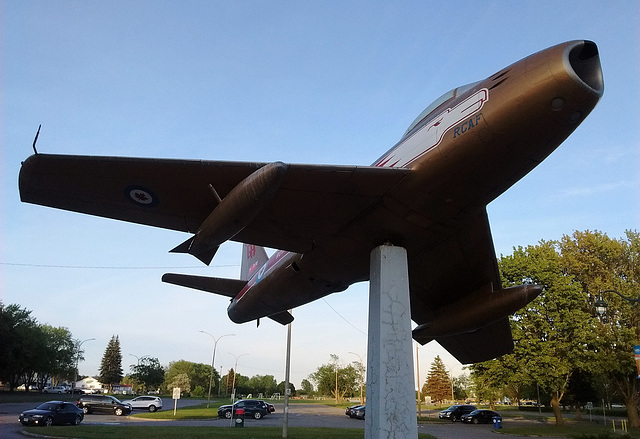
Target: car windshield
column 47, row 406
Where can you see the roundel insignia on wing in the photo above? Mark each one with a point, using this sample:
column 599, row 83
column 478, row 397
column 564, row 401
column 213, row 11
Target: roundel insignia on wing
column 141, row 196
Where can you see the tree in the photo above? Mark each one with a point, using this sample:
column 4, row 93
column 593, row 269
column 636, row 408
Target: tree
column 111, row 365
column 550, row 336
column 181, row 381
column 599, row 263
column 306, row 388
column 198, row 373
column 348, row 377
column 265, row 384
column 21, row 340
column 148, row 373
column 438, row 384
column 32, row 352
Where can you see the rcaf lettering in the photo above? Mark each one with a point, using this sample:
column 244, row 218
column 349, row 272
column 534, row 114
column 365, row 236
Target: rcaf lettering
column 466, row 125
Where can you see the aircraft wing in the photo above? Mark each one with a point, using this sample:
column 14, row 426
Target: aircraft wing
column 482, row 345
column 312, row 203
column 444, row 280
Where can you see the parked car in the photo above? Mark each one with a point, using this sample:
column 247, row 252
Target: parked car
column 270, row 407
column 349, row 411
column 481, row 417
column 146, row 402
column 358, row 413
column 52, row 412
column 77, row 390
column 252, row 407
column 455, row 412
column 103, row 404
column 55, row 389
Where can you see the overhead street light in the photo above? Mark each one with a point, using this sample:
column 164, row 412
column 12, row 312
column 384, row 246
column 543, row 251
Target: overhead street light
column 601, row 304
column 75, row 375
column 213, row 357
column 361, row 374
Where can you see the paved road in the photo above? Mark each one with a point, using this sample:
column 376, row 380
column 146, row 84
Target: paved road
column 300, row 415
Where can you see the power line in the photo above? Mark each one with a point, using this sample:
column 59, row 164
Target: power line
column 342, row 317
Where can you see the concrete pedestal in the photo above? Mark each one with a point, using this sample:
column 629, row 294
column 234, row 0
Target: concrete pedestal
column 391, row 403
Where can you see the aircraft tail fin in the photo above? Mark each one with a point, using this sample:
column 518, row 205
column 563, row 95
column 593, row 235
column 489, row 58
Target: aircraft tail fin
column 216, row 285
column 253, row 257
column 206, row 257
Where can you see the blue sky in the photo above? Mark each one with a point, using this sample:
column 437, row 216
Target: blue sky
column 332, row 82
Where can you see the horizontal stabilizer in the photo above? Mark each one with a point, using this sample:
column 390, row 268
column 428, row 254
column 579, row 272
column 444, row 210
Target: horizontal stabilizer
column 206, row 256
column 216, row 285
column 284, row 317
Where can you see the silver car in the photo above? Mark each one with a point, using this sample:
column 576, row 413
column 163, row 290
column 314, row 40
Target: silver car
column 147, row 402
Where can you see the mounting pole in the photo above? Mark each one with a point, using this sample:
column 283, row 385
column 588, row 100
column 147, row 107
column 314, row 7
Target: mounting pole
column 391, row 401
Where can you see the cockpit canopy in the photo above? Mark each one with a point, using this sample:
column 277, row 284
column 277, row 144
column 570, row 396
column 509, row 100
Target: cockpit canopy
column 426, row 113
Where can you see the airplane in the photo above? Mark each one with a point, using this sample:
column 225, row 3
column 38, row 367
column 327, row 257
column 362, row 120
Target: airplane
column 427, row 194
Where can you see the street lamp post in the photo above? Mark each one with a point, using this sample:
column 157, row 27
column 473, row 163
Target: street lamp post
column 361, row 374
column 137, row 371
column 75, row 375
column 601, row 304
column 213, row 357
column 233, row 386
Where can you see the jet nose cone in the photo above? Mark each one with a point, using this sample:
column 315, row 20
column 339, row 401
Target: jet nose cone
column 582, row 62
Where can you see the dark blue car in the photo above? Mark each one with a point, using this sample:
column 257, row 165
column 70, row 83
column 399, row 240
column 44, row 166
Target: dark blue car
column 481, row 417
column 52, row 412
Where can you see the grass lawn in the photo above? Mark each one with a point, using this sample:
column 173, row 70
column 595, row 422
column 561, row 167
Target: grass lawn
column 578, row 431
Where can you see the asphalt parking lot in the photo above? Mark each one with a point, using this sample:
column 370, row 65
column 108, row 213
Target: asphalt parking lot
column 300, row 415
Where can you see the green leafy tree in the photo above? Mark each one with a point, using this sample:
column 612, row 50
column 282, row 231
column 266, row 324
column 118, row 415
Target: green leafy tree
column 265, row 384
column 198, row 373
column 181, row 381
column 348, row 379
column 280, row 388
column 239, row 380
column 111, row 365
column 601, row 264
column 461, row 387
column 148, row 373
column 60, row 353
column 438, row 383
column 306, row 388
column 551, row 338
column 20, row 338
column 32, row 353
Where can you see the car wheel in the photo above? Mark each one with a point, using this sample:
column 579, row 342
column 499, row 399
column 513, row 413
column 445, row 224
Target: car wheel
column 257, row 415
column 453, row 419
column 48, row 421
column 77, row 420
column 227, row 414
column 86, row 410
column 475, row 420
column 152, row 408
column 118, row 411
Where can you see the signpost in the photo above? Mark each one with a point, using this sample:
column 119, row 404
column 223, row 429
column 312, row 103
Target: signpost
column 176, row 397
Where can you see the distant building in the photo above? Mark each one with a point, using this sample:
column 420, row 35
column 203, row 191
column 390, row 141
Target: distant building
column 90, row 385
